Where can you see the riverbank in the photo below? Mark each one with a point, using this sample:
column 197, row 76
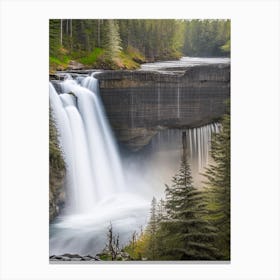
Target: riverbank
column 129, row 59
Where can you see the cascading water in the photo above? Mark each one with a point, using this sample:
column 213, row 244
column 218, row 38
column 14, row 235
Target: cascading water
column 178, row 101
column 167, row 146
column 98, row 191
column 158, row 101
column 89, row 141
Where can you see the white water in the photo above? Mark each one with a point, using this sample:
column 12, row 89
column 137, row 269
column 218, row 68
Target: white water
column 95, row 185
column 88, row 146
column 158, row 101
column 184, row 62
column 98, row 190
column 166, row 152
column 178, row 101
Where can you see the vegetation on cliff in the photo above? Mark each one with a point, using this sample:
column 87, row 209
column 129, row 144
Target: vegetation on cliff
column 126, row 43
column 56, row 172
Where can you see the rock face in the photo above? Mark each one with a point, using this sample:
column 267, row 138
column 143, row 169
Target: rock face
column 73, row 258
column 74, row 65
column 121, row 256
column 56, row 173
column 139, row 103
column 56, row 192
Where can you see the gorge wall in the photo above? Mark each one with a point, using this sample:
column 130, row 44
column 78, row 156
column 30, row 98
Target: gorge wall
column 57, row 172
column 140, row 103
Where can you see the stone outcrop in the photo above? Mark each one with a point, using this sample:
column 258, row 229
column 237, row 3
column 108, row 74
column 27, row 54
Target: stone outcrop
column 74, row 65
column 121, row 256
column 73, row 258
column 139, row 103
column 56, row 192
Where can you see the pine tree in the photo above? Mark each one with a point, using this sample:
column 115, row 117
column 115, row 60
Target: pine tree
column 218, row 186
column 112, row 41
column 152, row 231
column 160, row 210
column 187, row 235
column 54, row 36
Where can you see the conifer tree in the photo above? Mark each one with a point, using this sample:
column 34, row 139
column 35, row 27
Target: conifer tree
column 160, row 210
column 218, row 186
column 113, row 40
column 152, row 231
column 187, row 235
column 54, row 33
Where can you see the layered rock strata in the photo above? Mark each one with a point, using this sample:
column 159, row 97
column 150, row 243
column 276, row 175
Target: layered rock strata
column 140, row 103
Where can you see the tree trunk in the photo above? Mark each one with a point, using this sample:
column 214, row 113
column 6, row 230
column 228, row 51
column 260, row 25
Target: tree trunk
column 71, row 28
column 98, row 32
column 67, row 27
column 61, row 31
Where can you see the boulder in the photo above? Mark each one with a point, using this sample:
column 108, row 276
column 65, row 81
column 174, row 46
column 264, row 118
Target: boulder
column 74, row 65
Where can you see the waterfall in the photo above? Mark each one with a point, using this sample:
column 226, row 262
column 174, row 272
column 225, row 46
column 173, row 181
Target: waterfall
column 131, row 111
column 158, row 101
column 98, row 191
column 198, row 147
column 91, row 83
column 178, row 101
column 94, row 170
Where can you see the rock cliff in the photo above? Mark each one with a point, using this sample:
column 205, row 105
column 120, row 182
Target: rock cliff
column 56, row 173
column 140, row 103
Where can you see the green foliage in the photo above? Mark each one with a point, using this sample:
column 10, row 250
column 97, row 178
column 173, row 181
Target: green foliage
column 92, row 57
column 147, row 244
column 218, row 187
column 226, row 47
column 152, row 231
column 138, row 246
column 54, row 42
column 112, row 39
column 207, row 38
column 56, row 160
column 56, row 172
column 64, row 60
column 179, row 227
column 124, row 43
column 187, row 235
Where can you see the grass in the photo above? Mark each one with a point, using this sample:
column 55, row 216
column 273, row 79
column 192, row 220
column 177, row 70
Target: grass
column 56, row 63
column 130, row 58
column 91, row 58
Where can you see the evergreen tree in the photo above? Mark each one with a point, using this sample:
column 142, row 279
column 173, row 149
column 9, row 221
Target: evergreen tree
column 187, row 235
column 207, row 38
column 54, row 36
column 218, row 186
column 113, row 40
column 152, row 231
column 160, row 210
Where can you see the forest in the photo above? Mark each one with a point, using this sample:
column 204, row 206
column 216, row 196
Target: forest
column 126, row 43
